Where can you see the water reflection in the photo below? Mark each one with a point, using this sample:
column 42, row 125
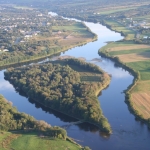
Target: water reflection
column 5, row 86
column 128, row 134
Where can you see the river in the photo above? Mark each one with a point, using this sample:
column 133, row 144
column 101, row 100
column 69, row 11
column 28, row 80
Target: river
column 128, row 134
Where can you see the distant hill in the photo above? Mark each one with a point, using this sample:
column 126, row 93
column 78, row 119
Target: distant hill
column 81, row 2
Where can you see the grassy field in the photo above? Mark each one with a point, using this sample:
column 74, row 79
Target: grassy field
column 143, row 67
column 115, row 9
column 77, row 28
column 137, row 57
column 116, row 26
column 85, row 74
column 66, row 36
column 33, row 142
column 23, row 7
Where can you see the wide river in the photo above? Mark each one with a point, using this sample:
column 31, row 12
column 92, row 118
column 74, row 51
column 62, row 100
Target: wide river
column 128, row 133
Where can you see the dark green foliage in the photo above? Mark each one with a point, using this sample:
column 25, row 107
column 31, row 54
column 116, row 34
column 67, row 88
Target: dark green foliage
column 11, row 119
column 86, row 148
column 89, row 66
column 59, row 87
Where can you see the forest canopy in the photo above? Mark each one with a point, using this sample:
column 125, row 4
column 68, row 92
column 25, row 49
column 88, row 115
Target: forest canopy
column 60, row 87
column 11, row 119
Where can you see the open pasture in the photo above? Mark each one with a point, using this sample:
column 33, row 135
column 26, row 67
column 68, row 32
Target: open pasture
column 32, row 141
column 134, row 57
column 141, row 102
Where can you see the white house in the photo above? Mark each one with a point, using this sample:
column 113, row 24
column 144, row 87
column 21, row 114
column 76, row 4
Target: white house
column 28, row 36
column 5, row 50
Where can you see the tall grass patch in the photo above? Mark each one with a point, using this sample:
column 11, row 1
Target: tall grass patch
column 143, row 67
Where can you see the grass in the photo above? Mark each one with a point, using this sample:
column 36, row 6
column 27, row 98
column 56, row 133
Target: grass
column 143, row 17
column 70, row 36
column 111, row 47
column 23, row 7
column 143, row 67
column 85, row 74
column 142, row 104
column 141, row 86
column 139, row 58
column 134, row 57
column 6, row 138
column 73, row 27
column 90, row 78
column 33, row 142
column 138, row 51
column 120, row 28
column 77, row 28
column 114, row 10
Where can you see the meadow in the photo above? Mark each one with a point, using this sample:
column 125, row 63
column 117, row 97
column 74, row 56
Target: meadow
column 117, row 26
column 135, row 56
column 33, row 141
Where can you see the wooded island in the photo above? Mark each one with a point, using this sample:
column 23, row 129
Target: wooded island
column 62, row 88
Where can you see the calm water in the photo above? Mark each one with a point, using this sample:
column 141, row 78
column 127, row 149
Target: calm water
column 128, row 134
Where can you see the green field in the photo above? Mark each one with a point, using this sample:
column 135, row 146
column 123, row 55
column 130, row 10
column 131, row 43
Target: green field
column 75, row 28
column 124, row 48
column 140, row 96
column 33, row 142
column 138, row 51
column 85, row 74
column 130, row 34
column 143, row 67
column 115, row 45
column 113, row 10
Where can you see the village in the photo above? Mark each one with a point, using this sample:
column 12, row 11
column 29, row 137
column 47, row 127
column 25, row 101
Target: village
column 19, row 26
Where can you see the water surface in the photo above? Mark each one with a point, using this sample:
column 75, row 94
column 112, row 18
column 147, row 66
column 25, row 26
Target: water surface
column 128, row 134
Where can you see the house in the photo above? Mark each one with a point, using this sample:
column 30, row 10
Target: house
column 28, row 36
column 5, row 50
column 145, row 37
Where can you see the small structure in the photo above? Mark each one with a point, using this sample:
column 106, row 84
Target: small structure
column 5, row 50
column 145, row 37
column 28, row 36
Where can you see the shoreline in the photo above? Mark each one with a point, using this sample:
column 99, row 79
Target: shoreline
column 84, row 121
column 136, row 76
column 43, row 57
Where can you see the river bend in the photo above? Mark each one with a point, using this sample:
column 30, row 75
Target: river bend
column 128, row 134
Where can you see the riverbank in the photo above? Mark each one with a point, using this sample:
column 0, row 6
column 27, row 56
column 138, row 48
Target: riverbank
column 16, row 128
column 113, row 25
column 32, row 59
column 32, row 140
column 45, row 56
column 39, row 39
column 120, row 53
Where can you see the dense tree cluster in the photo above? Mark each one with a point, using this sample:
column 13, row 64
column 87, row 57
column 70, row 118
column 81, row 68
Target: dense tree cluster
column 59, row 87
column 11, row 119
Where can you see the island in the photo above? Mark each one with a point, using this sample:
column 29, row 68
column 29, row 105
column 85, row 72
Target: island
column 70, row 86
